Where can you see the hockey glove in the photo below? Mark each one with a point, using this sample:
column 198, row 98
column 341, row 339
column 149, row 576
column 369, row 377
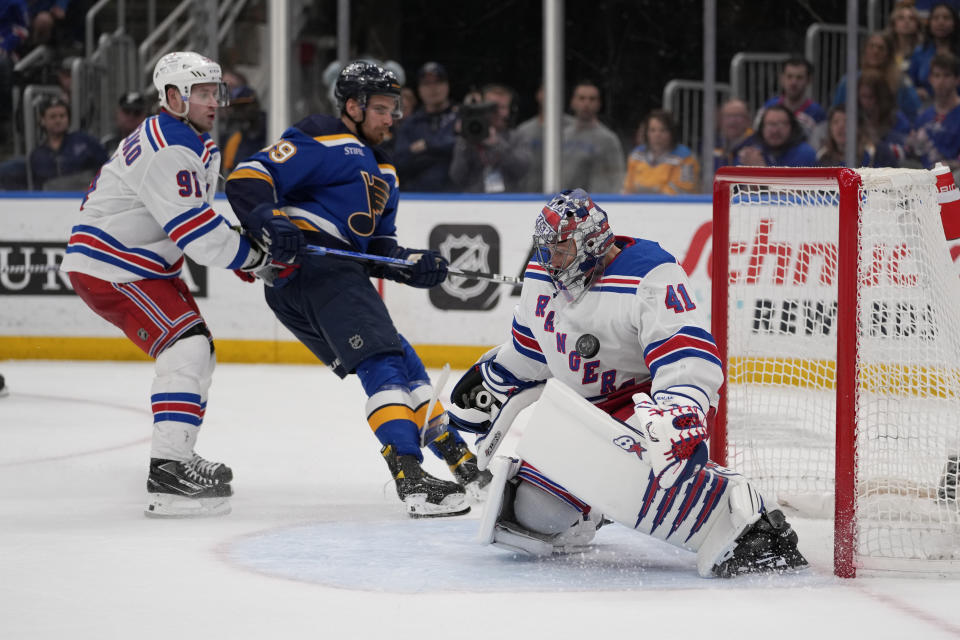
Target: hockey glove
column 674, row 439
column 256, row 260
column 276, row 233
column 278, row 275
column 429, row 269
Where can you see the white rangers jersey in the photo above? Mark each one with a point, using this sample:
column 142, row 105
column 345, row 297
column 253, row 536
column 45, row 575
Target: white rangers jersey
column 150, row 204
column 636, row 323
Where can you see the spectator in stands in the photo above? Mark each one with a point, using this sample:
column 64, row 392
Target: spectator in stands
column 941, row 35
column 937, row 134
column 13, row 174
column 779, row 142
column 878, row 56
column 46, row 18
column 832, row 152
column 795, row 78
column 661, row 164
column 409, row 101
column 423, row 149
column 246, row 128
column 905, row 28
column 878, row 105
column 489, row 163
column 131, row 111
column 13, row 32
column 733, row 129
column 64, row 160
column 234, row 80
column 529, row 136
column 593, row 157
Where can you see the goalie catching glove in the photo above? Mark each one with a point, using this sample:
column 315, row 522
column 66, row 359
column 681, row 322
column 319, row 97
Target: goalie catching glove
column 674, row 438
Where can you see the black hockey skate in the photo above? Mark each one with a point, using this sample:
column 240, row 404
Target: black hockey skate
column 947, row 490
column 769, row 546
column 216, row 470
column 423, row 495
column 191, row 488
column 463, row 465
column 3, row 387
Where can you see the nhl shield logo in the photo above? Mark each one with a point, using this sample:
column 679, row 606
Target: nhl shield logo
column 468, row 247
column 467, row 253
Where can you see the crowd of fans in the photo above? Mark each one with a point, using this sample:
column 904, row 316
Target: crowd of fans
column 907, row 96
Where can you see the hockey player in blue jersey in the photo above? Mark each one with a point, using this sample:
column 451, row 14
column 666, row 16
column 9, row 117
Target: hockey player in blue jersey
column 326, row 182
column 609, row 343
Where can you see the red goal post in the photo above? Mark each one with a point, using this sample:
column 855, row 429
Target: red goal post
column 834, row 308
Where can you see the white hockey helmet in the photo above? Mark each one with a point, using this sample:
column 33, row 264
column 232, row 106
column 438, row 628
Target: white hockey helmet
column 572, row 215
column 183, row 69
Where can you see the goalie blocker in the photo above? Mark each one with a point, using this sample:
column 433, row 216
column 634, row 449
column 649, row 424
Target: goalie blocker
column 647, row 474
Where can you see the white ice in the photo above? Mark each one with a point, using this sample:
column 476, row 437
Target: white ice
column 318, row 547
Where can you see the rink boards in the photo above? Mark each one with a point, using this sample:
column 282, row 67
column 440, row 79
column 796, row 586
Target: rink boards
column 454, row 323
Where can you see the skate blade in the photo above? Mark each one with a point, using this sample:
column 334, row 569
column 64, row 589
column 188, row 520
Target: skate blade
column 166, row 505
column 453, row 505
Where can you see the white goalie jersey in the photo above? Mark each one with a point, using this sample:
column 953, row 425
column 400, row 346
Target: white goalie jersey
column 637, row 322
column 150, row 204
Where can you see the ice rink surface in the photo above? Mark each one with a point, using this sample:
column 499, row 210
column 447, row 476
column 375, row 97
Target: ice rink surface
column 317, row 545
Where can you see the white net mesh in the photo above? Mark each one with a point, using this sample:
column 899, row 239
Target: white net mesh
column 782, row 331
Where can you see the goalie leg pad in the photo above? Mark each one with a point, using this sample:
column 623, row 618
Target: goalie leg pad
column 520, row 517
column 745, row 506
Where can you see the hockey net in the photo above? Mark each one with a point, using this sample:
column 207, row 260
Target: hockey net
column 837, row 308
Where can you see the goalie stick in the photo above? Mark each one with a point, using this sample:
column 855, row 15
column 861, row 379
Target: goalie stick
column 369, row 257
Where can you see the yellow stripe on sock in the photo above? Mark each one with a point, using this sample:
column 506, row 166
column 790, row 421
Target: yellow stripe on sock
column 389, row 412
column 420, row 414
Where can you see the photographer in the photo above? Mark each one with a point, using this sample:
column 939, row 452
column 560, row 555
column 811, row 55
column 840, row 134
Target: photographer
column 485, row 158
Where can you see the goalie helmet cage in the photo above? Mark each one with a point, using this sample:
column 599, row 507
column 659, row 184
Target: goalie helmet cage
column 835, row 310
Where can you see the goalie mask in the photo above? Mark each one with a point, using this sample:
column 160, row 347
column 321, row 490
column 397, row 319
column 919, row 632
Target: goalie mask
column 571, row 237
column 361, row 79
column 183, row 70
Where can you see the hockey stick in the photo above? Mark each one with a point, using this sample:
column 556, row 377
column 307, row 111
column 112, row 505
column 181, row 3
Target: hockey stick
column 369, row 257
column 433, row 429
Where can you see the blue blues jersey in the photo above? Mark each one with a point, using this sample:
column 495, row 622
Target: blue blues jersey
column 329, row 182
